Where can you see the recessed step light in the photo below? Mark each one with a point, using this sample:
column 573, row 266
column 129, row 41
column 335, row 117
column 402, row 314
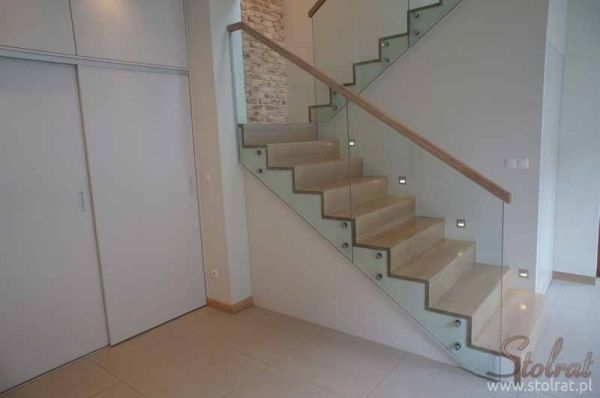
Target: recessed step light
column 523, row 273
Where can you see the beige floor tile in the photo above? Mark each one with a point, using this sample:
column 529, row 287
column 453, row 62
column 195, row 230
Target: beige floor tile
column 119, row 391
column 273, row 384
column 189, row 366
column 205, row 321
column 418, row 377
column 265, row 335
column 343, row 364
column 81, row 379
column 579, row 296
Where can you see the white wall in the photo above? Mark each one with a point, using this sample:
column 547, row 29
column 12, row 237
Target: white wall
column 456, row 88
column 578, row 196
column 555, row 53
column 299, row 40
column 347, row 31
column 296, row 272
column 223, row 13
column 220, row 177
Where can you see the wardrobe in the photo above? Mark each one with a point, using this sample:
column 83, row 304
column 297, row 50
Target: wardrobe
column 99, row 224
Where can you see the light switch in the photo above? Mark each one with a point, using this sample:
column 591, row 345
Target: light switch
column 517, row 163
column 523, row 163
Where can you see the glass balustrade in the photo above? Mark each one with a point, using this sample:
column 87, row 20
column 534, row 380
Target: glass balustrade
column 354, row 41
column 421, row 225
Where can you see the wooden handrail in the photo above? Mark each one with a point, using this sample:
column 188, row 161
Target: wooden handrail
column 400, row 128
column 313, row 10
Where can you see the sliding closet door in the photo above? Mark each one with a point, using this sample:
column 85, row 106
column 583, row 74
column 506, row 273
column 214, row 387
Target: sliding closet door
column 140, row 146
column 51, row 308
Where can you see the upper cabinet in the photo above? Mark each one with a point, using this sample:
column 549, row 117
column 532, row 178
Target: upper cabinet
column 144, row 31
column 43, row 25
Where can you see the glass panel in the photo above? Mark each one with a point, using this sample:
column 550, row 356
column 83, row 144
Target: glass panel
column 305, row 164
column 355, row 41
column 430, row 238
column 433, row 242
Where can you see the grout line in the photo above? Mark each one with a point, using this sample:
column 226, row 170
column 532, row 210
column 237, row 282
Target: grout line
column 116, row 377
column 52, row 371
column 244, row 383
column 227, row 346
column 406, row 354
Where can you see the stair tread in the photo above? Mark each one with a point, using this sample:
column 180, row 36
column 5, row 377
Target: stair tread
column 371, row 206
column 326, row 186
column 467, row 294
column 520, row 314
column 302, row 152
column 390, row 237
column 430, row 263
column 261, row 134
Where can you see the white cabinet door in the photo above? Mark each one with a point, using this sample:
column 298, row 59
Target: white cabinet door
column 141, row 155
column 37, row 25
column 51, row 309
column 145, row 31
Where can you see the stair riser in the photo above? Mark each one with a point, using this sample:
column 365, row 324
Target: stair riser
column 306, row 176
column 280, row 155
column 408, row 250
column 400, row 212
column 487, row 308
column 442, row 281
column 338, row 199
column 263, row 134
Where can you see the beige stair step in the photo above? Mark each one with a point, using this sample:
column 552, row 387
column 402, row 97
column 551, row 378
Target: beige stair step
column 522, row 313
column 327, row 172
column 261, row 134
column 476, row 294
column 361, row 190
column 373, row 214
column 290, row 154
column 440, row 267
column 407, row 240
column 336, row 194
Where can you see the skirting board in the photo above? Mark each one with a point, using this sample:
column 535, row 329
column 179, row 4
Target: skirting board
column 230, row 308
column 564, row 276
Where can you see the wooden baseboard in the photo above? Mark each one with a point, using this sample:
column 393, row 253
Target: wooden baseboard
column 230, row 308
column 564, row 276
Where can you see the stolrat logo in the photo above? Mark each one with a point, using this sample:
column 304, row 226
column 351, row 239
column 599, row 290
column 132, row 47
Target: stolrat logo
column 532, row 376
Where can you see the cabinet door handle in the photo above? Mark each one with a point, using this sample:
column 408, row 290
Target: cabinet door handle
column 82, row 200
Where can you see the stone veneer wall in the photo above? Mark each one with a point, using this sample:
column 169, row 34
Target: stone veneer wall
column 265, row 71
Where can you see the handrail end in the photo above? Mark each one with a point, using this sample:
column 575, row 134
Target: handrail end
column 313, row 10
column 235, row 27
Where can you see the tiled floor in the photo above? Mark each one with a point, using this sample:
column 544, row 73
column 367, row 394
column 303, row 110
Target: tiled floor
column 261, row 354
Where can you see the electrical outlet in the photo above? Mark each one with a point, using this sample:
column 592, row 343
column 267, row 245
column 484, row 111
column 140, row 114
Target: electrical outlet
column 214, row 273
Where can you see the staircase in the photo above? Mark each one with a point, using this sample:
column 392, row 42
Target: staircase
column 419, row 21
column 421, row 262
column 437, row 280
